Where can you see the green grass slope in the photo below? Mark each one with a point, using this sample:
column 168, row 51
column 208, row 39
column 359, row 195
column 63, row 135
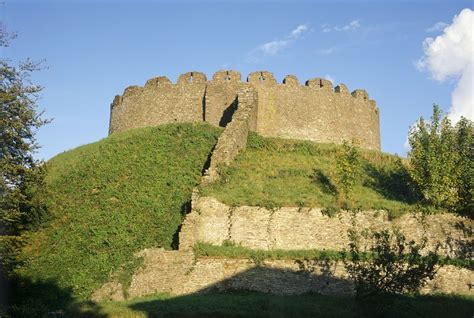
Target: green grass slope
column 113, row 198
column 278, row 172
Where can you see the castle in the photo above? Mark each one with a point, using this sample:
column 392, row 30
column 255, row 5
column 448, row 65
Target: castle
column 312, row 112
column 315, row 111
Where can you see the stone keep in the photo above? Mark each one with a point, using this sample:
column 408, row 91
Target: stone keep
column 314, row 111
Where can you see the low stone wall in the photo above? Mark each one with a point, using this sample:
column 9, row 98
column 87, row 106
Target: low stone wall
column 178, row 273
column 234, row 138
column 292, row 228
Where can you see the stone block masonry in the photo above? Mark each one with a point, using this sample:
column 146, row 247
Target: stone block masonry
column 293, row 228
column 180, row 273
column 313, row 111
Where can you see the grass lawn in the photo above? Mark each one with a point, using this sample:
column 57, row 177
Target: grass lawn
column 265, row 305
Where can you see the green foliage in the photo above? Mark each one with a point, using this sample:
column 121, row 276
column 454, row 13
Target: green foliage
column 465, row 148
column 441, row 159
column 384, row 263
column 21, row 174
column 277, row 172
column 347, row 170
column 113, row 198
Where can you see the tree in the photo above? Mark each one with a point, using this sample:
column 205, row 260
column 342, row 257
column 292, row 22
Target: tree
column 348, row 169
column 441, row 161
column 465, row 148
column 384, row 263
column 21, row 174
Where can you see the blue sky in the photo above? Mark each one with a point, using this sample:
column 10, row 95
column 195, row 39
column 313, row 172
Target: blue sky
column 94, row 49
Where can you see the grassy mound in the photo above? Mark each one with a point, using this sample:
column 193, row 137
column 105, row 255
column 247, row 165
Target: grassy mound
column 278, row 172
column 113, row 198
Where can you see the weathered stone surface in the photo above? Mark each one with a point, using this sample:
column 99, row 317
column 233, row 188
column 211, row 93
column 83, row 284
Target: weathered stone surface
column 109, row 291
column 311, row 112
column 256, row 232
column 161, row 271
column 210, row 219
column 177, row 272
column 450, row 279
column 159, row 102
column 292, row 228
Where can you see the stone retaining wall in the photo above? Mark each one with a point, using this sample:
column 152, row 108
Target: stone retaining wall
column 292, row 228
column 179, row 273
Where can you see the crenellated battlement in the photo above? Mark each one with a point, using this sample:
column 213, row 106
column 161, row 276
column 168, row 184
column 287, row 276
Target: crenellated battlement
column 258, row 78
column 313, row 111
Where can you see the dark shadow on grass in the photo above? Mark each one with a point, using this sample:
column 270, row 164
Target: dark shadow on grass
column 253, row 304
column 22, row 297
column 393, row 183
column 324, row 181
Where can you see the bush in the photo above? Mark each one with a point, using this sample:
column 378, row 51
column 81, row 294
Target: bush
column 442, row 161
column 387, row 264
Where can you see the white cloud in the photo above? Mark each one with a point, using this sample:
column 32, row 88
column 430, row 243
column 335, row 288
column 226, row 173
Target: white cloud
column 274, row 47
column 450, row 55
column 327, row 51
column 299, row 30
column 351, row 26
column 437, row 27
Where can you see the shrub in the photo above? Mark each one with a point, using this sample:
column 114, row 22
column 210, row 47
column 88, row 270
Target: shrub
column 387, row 264
column 441, row 160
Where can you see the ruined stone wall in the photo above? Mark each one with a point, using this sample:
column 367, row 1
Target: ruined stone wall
column 180, row 273
column 234, row 137
column 313, row 111
column 292, row 228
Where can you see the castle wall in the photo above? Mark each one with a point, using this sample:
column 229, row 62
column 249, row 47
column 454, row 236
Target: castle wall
column 293, row 228
column 181, row 273
column 313, row 111
column 159, row 102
